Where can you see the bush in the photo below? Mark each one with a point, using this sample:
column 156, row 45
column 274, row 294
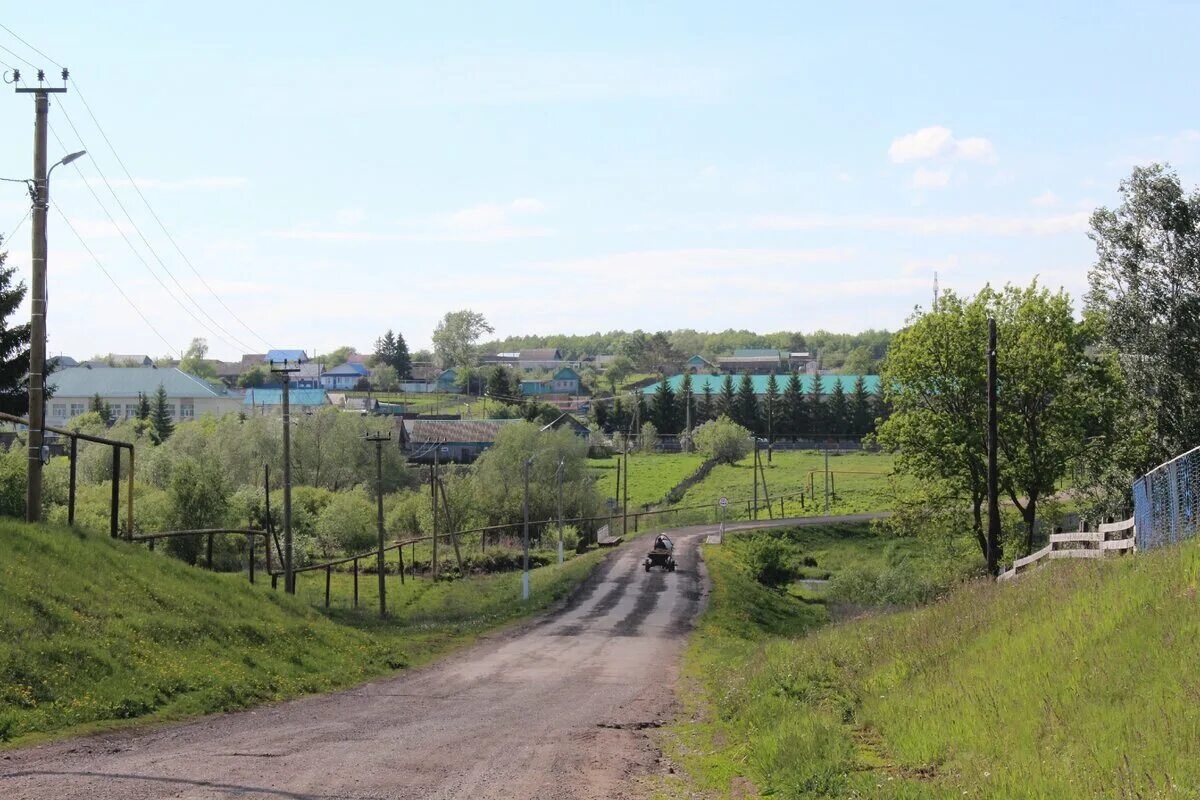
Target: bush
column 648, row 438
column 770, row 561
column 347, row 524
column 722, row 440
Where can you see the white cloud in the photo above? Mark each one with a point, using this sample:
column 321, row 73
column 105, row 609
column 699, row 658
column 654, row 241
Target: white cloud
column 1045, row 199
column 931, row 178
column 487, row 222
column 964, row 224
column 940, row 143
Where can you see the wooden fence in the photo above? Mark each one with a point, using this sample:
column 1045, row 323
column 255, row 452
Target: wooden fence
column 1111, row 538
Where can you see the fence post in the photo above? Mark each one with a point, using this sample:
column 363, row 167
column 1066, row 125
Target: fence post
column 328, row 576
column 208, row 550
column 781, row 508
column 251, row 537
column 274, row 578
column 356, row 581
column 116, row 493
column 71, row 490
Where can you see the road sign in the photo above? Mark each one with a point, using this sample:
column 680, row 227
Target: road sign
column 724, row 502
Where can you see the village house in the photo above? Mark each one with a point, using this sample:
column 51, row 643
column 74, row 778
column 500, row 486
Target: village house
column 452, row 440
column 74, row 388
column 344, row 376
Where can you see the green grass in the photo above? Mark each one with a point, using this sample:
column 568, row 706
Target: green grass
column 96, row 633
column 860, row 482
column 1077, row 681
column 651, row 475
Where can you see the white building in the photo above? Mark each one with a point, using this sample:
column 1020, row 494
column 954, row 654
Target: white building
column 120, row 387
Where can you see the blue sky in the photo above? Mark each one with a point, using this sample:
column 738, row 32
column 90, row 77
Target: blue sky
column 333, row 170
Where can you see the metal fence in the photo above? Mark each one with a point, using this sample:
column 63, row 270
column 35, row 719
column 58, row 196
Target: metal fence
column 1166, row 501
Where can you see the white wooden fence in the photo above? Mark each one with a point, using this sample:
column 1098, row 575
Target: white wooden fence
column 1112, row 538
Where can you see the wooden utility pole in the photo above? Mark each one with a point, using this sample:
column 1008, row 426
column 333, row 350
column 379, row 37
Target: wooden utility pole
column 755, row 471
column 289, row 575
column 561, row 468
column 433, row 480
column 525, row 509
column 379, row 439
column 625, row 492
column 40, row 191
column 993, row 472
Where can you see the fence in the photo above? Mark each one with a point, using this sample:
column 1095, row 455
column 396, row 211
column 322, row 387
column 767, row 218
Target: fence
column 1166, row 501
column 1113, row 538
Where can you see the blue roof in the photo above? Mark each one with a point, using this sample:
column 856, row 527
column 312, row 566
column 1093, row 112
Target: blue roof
column 348, row 369
column 296, row 397
column 760, row 383
column 295, row 356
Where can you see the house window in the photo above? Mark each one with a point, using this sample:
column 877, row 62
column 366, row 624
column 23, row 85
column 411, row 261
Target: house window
column 171, row 409
column 187, row 410
column 77, row 409
column 58, row 410
column 131, row 410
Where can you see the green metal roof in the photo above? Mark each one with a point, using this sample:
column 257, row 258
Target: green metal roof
column 296, row 397
column 760, row 383
column 128, row 382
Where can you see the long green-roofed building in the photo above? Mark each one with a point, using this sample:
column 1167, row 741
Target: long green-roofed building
column 760, row 383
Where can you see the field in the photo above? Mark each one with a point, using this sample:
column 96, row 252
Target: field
column 651, row 476
column 1050, row 687
column 859, row 482
column 96, row 633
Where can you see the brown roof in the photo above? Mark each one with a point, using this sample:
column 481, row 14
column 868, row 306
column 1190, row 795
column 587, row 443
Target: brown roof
column 541, row 354
column 428, row 431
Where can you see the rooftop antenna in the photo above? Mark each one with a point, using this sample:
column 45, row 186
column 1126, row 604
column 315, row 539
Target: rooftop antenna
column 935, row 290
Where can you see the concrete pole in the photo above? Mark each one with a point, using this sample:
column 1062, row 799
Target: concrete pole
column 37, row 322
column 289, row 575
column 993, row 471
column 561, row 468
column 525, row 507
column 379, row 440
column 827, row 481
column 433, row 479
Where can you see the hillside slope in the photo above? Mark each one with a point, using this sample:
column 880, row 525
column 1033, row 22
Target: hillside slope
column 94, row 631
column 1081, row 680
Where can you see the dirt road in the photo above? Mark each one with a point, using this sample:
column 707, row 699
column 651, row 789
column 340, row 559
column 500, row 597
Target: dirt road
column 557, row 709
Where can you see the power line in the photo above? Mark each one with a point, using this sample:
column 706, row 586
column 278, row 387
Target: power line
column 19, row 57
column 31, row 47
column 115, row 284
column 16, row 228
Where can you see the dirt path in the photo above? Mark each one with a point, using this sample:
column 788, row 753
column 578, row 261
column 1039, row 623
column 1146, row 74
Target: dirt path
column 557, row 709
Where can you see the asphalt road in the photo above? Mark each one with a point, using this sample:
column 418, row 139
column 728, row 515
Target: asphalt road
column 562, row 707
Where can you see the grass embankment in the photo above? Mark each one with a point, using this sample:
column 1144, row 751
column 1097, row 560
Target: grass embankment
column 860, row 482
column 95, row 633
column 651, row 475
column 1077, row 681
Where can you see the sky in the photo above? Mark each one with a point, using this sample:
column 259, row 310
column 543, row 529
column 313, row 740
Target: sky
column 324, row 172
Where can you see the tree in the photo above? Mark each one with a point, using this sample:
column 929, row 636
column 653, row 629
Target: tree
column 455, row 337
column 663, row 412
column 392, row 350
column 771, row 405
column 1145, row 288
column 194, row 362
column 363, row 384
column 600, row 413
column 499, row 475
column 838, row 411
column 336, row 356
column 618, row 370
column 648, row 438
column 103, row 409
column 723, row 440
column 706, row 409
column 199, row 499
column 14, row 344
column 143, row 407
column 502, row 385
column 746, row 405
column 794, row 407
column 254, row 377
column 818, row 418
column 385, row 378
column 685, row 415
column 160, row 417
column 726, row 399
column 859, row 361
column 860, row 408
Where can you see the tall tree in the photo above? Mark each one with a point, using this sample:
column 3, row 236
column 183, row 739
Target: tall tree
column 103, row 409
column 747, row 405
column 14, row 343
column 861, row 418
column 706, row 409
column 663, row 412
column 794, row 407
column 686, row 413
column 162, row 426
column 391, row 349
column 500, row 385
column 771, row 406
column 456, row 336
column 1145, row 287
column 195, row 362
column 838, row 409
column 143, row 407
column 817, row 412
column 726, row 399
column 618, row 370
column 402, row 360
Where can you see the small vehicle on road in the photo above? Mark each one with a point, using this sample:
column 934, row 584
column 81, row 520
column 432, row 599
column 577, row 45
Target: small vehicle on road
column 662, row 554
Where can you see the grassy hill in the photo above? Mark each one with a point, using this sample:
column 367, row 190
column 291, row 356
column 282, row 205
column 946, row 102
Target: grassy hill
column 1078, row 681
column 95, row 632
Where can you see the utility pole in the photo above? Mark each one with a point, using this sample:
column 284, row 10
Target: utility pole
column 37, row 294
column 289, row 575
column 625, row 492
column 562, row 462
column 688, row 424
column 993, row 472
column 755, row 471
column 525, row 508
column 770, row 429
column 433, row 479
column 827, row 481
column 379, row 439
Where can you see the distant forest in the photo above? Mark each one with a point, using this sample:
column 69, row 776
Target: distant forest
column 857, row 353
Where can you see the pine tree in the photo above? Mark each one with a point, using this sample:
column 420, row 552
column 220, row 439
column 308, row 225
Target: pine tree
column 14, row 344
column 619, row 418
column 663, row 411
column 143, row 407
column 747, row 405
column 500, row 385
column 726, row 401
column 160, row 417
column 705, row 409
column 640, row 413
column 402, row 361
column 392, row 350
column 771, row 406
column 385, row 348
column 817, row 413
column 795, row 408
column 103, row 409
column 879, row 404
column 838, row 409
column 860, row 408
column 687, row 402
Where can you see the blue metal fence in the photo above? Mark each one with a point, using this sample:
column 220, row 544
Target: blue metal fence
column 1166, row 502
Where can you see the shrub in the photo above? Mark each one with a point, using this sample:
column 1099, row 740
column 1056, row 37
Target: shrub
column 347, row 524
column 722, row 440
column 648, row 438
column 770, row 561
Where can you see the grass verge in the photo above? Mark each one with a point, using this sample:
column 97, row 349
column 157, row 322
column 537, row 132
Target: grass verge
column 96, row 633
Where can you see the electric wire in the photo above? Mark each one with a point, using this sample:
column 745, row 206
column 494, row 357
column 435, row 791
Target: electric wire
column 16, row 228
column 114, row 282
column 13, row 33
column 18, row 56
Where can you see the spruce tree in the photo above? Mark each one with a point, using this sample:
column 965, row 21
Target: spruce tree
column 747, row 405
column 663, row 412
column 726, row 401
column 771, row 407
column 687, row 402
column 385, row 348
column 705, row 409
column 818, row 420
column 794, row 407
column 860, row 408
column 838, row 409
column 103, row 409
column 402, row 361
column 143, row 407
column 160, row 417
column 500, row 385
column 14, row 344
column 879, row 404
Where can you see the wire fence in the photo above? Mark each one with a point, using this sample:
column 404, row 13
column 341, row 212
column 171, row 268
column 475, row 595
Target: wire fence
column 1166, row 502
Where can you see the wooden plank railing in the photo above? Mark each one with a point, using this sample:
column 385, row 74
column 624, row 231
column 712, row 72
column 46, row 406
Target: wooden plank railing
column 1110, row 538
